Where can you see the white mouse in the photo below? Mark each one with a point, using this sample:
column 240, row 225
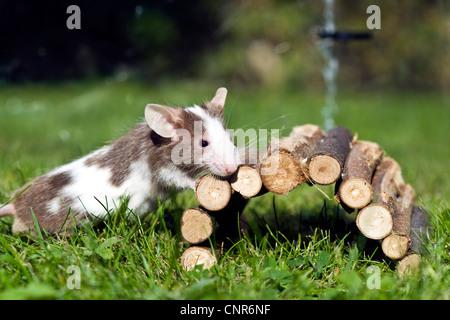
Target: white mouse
column 166, row 152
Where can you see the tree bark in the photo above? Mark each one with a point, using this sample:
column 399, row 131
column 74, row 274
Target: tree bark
column 420, row 228
column 194, row 256
column 283, row 168
column 375, row 221
column 355, row 189
column 327, row 160
column 212, row 193
column 388, row 177
column 396, row 245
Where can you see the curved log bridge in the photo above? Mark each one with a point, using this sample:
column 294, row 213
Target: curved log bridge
column 364, row 180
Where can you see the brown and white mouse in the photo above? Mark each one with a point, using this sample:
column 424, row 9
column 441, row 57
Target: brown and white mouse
column 167, row 151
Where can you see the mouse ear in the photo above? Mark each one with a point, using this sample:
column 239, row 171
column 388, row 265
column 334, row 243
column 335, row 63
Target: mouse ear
column 219, row 98
column 162, row 119
column 215, row 106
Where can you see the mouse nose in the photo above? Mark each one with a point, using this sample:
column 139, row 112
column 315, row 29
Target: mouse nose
column 229, row 169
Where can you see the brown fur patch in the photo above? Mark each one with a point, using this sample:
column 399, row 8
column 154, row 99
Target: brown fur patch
column 121, row 154
column 37, row 196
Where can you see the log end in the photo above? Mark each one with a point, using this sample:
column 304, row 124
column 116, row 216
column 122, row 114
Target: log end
column 280, row 173
column 409, row 265
column 196, row 225
column 356, row 193
column 247, row 181
column 212, row 193
column 395, row 246
column 194, row 256
column 324, row 169
column 375, row 222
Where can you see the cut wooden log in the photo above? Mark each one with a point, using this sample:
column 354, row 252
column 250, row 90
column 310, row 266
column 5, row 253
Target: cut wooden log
column 402, row 220
column 409, row 265
column 375, row 220
column 355, row 189
column 418, row 235
column 420, row 228
column 194, row 256
column 388, row 177
column 396, row 245
column 247, row 181
column 327, row 160
column 282, row 169
column 212, row 193
column 287, row 174
column 196, row 225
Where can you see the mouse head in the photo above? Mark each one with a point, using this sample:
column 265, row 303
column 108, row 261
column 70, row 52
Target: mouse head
column 199, row 141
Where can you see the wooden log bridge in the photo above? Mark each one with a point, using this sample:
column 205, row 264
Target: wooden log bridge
column 365, row 180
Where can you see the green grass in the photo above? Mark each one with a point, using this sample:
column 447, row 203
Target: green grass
column 299, row 246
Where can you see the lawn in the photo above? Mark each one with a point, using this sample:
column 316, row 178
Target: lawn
column 299, row 246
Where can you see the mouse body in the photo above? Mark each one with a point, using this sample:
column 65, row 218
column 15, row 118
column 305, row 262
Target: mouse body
column 166, row 152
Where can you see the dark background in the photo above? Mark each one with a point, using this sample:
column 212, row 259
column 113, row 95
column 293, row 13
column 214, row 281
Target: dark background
column 161, row 35
column 217, row 39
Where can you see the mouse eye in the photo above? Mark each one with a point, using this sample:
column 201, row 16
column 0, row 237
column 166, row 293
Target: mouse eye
column 204, row 143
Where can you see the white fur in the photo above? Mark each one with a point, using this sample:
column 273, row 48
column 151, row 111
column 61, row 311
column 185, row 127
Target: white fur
column 92, row 188
column 91, row 185
column 138, row 187
column 54, row 205
column 174, row 176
